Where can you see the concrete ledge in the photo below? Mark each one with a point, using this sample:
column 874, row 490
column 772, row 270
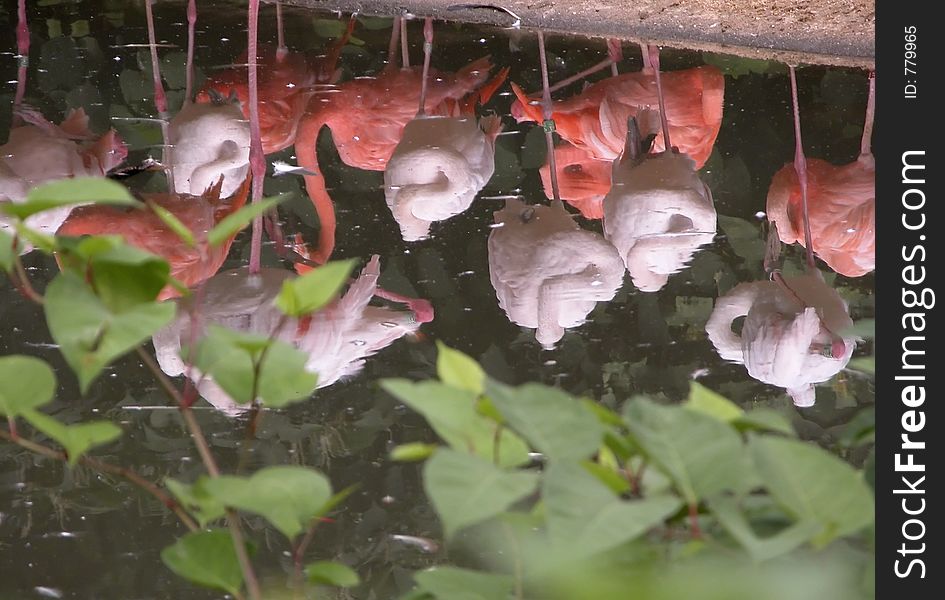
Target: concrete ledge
column 833, row 32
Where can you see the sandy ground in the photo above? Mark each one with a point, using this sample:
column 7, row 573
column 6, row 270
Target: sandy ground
column 838, row 32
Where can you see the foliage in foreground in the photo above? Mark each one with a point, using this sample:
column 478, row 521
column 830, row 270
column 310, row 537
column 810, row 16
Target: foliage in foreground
column 540, row 494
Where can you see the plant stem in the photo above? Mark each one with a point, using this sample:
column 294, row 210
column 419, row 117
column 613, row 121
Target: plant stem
column 694, row 522
column 104, row 467
column 298, row 553
column 25, row 287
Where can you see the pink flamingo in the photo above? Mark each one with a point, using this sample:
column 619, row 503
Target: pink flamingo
column 841, row 201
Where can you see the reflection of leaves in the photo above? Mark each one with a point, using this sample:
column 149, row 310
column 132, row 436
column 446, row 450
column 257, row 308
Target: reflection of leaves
column 737, row 66
column 745, row 238
column 508, row 172
column 534, row 149
column 454, row 583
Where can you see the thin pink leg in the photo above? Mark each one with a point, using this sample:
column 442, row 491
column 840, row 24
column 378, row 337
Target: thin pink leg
column 427, row 53
column 800, row 167
column 160, row 99
column 23, row 58
column 549, row 124
column 867, row 142
column 615, row 52
column 422, row 309
column 257, row 159
column 654, row 54
column 281, row 50
column 191, row 25
column 392, row 46
column 647, row 65
column 404, row 50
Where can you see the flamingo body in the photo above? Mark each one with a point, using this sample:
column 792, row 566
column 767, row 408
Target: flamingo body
column 337, row 338
column 842, row 206
column 437, row 169
column 657, row 214
column 143, row 229
column 583, row 180
column 793, row 335
column 547, row 272
column 209, row 141
column 596, row 119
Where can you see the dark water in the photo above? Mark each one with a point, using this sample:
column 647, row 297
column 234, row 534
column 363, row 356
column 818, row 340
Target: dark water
column 77, row 534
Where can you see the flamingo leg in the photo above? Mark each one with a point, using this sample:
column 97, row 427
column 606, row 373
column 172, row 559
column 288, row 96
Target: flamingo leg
column 800, row 167
column 191, row 25
column 404, row 50
column 392, row 46
column 615, row 55
column 427, row 53
column 654, row 54
column 866, row 142
column 257, row 159
column 281, row 50
column 549, row 124
column 23, row 58
column 160, row 99
column 647, row 65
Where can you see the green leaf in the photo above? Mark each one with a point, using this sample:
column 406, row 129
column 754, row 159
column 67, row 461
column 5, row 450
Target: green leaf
column 866, row 364
column 554, row 422
column 236, row 222
column 861, row 429
column 727, row 512
column 453, row 415
column 173, row 223
column 126, row 277
column 702, row 399
column 26, row 383
column 7, row 251
column 586, row 517
column 454, row 583
column 289, row 497
column 76, row 439
column 702, row 455
column 78, row 190
column 332, row 573
column 195, row 498
column 744, row 237
column 412, row 452
column 37, row 239
column 458, row 370
column 812, row 484
column 228, row 356
column 90, row 335
column 765, row 419
column 207, row 558
column 312, row 291
column 466, row 489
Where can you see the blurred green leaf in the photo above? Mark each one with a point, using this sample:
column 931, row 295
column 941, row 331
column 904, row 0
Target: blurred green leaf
column 76, row 439
column 331, row 573
column 312, row 291
column 554, row 422
column 765, row 419
column 466, row 489
column 233, row 223
column 727, row 512
column 458, row 370
column 206, row 558
column 412, row 452
column 701, row 454
column 7, row 251
column 230, row 358
column 66, row 192
column 175, row 224
column 90, row 336
column 811, row 484
column 26, row 383
column 702, row 399
column 454, row 583
column 452, row 414
column 586, row 517
column 195, row 498
column 289, row 497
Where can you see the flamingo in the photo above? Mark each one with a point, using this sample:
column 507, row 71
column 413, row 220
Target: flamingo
column 440, row 163
column 338, row 338
column 658, row 212
column 795, row 332
column 842, row 205
column 547, row 272
column 39, row 151
column 367, row 118
column 143, row 228
column 584, row 179
column 596, row 119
